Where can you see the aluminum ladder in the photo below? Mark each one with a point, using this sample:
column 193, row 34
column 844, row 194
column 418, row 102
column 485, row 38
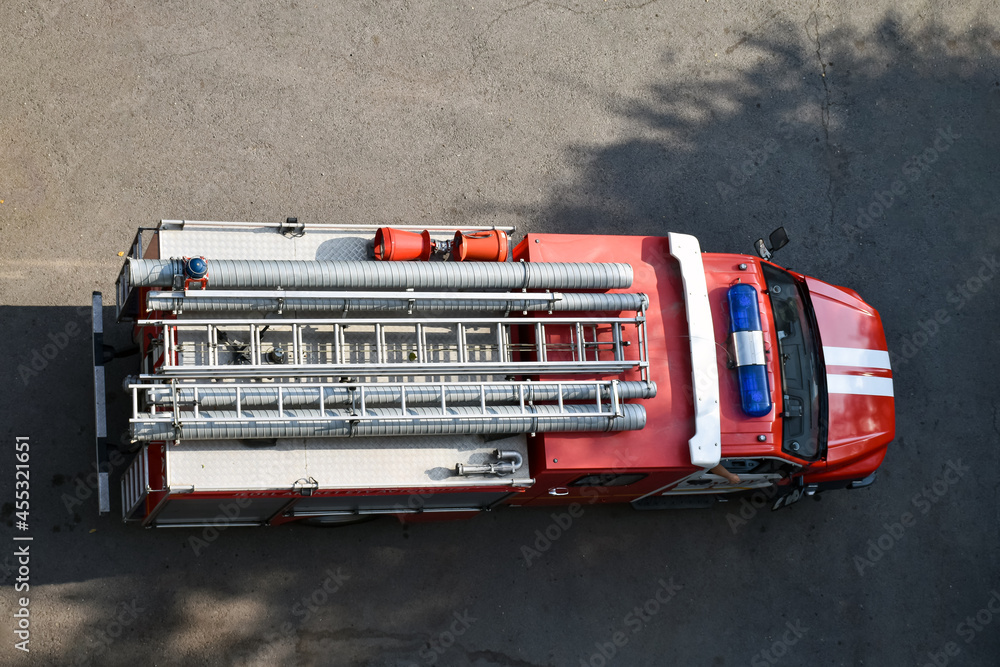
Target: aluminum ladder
column 368, row 347
column 178, row 409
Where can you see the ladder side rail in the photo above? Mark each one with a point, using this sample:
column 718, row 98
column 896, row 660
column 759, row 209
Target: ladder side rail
column 353, row 295
column 327, row 226
column 387, row 417
column 402, row 369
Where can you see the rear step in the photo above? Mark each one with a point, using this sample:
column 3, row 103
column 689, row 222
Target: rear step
column 100, row 407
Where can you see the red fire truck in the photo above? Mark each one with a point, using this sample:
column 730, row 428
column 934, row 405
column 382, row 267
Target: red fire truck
column 328, row 373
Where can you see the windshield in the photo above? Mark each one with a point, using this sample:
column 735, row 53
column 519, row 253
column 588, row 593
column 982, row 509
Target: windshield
column 802, row 376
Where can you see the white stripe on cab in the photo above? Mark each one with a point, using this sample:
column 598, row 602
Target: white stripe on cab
column 863, row 385
column 854, row 356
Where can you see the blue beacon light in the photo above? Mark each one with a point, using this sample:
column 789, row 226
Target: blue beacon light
column 748, row 348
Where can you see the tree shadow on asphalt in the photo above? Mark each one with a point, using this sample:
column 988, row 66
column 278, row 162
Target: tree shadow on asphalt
column 803, row 137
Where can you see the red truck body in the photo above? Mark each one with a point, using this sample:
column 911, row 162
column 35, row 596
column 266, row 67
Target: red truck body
column 819, row 357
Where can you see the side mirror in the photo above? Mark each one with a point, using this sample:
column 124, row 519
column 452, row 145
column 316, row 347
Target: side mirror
column 778, row 239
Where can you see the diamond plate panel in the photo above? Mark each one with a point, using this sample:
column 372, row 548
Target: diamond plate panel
column 228, row 464
column 336, row 462
column 268, row 243
column 344, row 249
column 262, row 243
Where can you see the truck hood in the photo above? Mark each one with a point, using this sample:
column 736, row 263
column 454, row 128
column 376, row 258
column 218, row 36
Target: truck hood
column 862, row 417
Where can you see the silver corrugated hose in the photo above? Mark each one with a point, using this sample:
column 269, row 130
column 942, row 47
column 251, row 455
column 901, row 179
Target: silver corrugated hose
column 267, row 397
column 262, row 424
column 571, row 301
column 291, row 274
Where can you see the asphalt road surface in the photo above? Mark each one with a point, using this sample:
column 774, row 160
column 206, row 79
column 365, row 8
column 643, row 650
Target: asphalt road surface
column 870, row 130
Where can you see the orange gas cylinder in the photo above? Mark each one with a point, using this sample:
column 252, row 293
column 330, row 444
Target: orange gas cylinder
column 397, row 245
column 489, row 246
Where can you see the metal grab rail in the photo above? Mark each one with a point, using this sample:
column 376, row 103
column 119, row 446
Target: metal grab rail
column 181, row 224
column 254, row 302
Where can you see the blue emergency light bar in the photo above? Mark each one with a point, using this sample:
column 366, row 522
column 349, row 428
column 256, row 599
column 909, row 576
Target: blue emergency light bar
column 743, row 312
column 748, row 349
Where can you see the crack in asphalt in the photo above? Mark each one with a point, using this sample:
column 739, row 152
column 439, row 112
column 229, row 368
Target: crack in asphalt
column 622, row 8
column 167, row 56
column 824, row 109
column 476, row 42
column 996, row 418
